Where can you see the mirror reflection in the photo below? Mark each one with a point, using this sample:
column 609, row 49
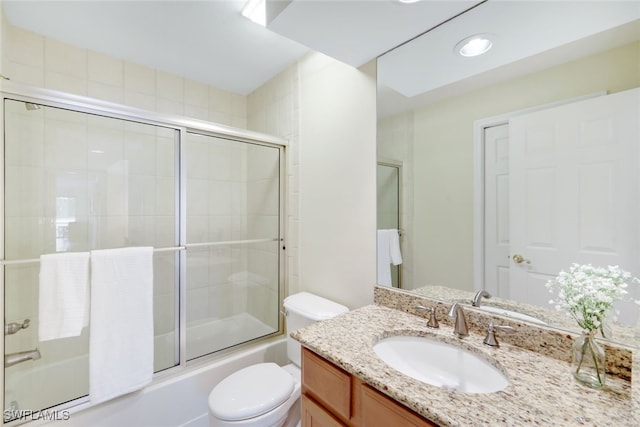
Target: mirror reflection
column 514, row 167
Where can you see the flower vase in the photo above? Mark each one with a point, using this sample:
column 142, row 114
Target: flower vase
column 589, row 360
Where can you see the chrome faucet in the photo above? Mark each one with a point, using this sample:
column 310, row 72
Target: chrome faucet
column 479, row 295
column 460, row 328
column 22, row 356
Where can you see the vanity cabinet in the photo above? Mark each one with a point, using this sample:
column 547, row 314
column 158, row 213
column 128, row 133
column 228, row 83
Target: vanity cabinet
column 332, row 397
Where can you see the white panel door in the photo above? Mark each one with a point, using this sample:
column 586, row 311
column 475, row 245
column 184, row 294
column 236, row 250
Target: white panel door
column 573, row 190
column 496, row 230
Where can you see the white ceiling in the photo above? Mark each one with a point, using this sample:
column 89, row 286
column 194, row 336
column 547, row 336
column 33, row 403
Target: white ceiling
column 209, row 41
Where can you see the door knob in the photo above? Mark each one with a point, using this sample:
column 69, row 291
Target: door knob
column 519, row 259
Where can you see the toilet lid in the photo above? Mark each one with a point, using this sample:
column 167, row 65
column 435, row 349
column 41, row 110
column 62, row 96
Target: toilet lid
column 250, row 392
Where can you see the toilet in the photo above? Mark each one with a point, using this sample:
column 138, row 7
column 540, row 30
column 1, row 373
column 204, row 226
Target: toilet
column 265, row 394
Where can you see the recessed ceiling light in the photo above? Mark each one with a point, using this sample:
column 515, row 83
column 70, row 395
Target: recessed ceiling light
column 256, row 10
column 474, row 45
column 408, row 1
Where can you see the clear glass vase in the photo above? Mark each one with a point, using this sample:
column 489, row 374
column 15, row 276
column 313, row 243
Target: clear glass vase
column 588, row 362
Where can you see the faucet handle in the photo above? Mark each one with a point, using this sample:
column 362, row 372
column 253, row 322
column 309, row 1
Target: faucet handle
column 433, row 321
column 491, row 339
column 15, row 327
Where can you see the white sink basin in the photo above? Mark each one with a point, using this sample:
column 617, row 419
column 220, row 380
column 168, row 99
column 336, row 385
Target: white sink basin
column 440, row 364
column 510, row 313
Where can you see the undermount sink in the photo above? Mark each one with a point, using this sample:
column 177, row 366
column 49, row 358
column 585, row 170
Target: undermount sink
column 510, row 313
column 440, row 364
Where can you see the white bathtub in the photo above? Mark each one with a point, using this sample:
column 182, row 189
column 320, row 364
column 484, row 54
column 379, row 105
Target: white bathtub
column 173, row 399
column 178, row 400
column 47, row 384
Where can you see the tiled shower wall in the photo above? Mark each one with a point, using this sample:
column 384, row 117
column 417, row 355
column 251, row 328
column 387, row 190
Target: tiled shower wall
column 44, row 62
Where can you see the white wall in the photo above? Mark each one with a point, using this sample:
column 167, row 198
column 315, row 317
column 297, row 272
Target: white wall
column 337, row 180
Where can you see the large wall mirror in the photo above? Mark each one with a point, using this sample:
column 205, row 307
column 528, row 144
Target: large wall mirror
column 487, row 202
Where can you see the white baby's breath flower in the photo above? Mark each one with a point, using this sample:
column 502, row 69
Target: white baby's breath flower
column 587, row 293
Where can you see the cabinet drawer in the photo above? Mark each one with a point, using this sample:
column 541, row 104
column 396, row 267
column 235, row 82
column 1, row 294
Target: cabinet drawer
column 326, row 383
column 314, row 415
column 379, row 410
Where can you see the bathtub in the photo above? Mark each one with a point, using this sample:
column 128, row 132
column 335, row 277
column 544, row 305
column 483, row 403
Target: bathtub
column 176, row 400
column 172, row 399
column 48, row 384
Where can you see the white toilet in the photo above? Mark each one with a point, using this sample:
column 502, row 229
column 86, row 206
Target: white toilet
column 265, row 394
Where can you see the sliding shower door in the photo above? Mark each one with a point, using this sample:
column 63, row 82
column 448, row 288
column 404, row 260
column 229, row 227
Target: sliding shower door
column 75, row 182
column 232, row 239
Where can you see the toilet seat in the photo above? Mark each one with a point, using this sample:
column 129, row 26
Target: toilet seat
column 251, row 392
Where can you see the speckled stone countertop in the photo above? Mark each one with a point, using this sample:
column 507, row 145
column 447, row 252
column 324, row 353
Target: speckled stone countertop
column 541, row 389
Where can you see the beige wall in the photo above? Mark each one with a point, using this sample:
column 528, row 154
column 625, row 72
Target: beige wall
column 443, row 152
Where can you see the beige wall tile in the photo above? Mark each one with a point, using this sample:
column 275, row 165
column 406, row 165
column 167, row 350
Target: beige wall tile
column 105, row 69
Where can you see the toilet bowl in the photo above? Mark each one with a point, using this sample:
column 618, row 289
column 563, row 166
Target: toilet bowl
column 258, row 395
column 265, row 394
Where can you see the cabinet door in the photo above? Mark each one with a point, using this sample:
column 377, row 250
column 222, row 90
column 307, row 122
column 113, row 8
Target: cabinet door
column 327, row 384
column 313, row 415
column 379, row 410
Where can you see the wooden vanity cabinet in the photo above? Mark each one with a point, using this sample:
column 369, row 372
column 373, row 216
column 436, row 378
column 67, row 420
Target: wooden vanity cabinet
column 331, row 397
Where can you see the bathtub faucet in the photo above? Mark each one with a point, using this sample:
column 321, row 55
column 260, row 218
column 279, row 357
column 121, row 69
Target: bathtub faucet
column 22, row 356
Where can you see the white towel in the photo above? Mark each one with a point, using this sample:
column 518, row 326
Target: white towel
column 63, row 303
column 394, row 247
column 388, row 253
column 121, row 341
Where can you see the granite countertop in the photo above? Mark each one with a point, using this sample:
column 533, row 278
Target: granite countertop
column 541, row 390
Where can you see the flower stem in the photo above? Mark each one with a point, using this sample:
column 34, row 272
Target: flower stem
column 588, row 341
column 593, row 356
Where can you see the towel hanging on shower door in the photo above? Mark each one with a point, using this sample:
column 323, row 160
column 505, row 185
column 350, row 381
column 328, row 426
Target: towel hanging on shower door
column 63, row 300
column 121, row 340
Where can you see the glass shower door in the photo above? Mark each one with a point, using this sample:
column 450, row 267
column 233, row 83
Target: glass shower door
column 232, row 237
column 75, row 182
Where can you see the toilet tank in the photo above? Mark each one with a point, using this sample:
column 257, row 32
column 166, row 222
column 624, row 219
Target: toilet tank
column 303, row 309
